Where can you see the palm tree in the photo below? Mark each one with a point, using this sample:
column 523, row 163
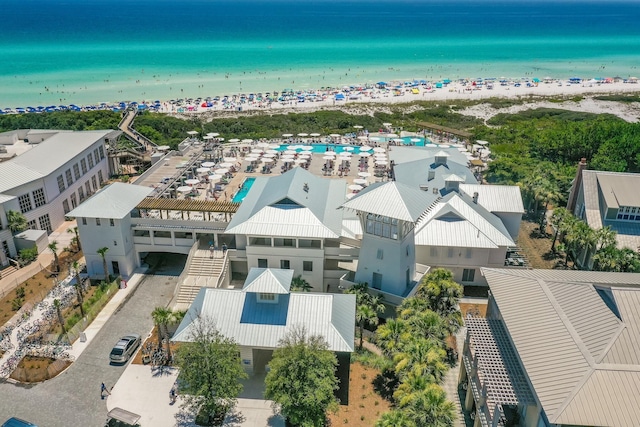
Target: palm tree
column 392, row 334
column 103, row 252
column 411, row 385
column 298, row 284
column 557, row 219
column 58, row 306
column 76, row 272
column 395, row 418
column 411, row 306
column 160, row 316
column 365, row 314
column 431, row 408
column 604, row 237
column 16, row 221
column 427, row 324
column 422, row 357
column 53, row 247
column 442, row 292
column 76, row 239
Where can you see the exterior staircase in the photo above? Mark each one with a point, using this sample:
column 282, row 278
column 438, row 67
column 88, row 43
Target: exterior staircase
column 7, row 271
column 203, row 271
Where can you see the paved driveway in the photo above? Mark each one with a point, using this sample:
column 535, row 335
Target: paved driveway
column 73, row 398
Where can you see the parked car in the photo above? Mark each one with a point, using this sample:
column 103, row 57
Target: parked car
column 17, row 422
column 125, row 348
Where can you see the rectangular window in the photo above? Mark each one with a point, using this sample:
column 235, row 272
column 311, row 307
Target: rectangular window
column 31, row 225
column 61, row 186
column 141, row 233
column 290, row 243
column 285, row 264
column 306, row 243
column 433, row 251
column 74, row 201
column 468, row 274
column 25, row 203
column 38, row 197
column 307, row 265
column 87, row 187
column 100, row 179
column 98, row 222
column 65, row 206
column 84, row 221
column 76, row 171
column 112, row 223
column 469, row 253
column 164, row 234
column 45, row 223
column 182, row 235
column 260, row 241
column 262, row 263
column 380, row 254
column 81, row 194
column 94, row 183
column 90, row 160
column 101, row 150
column 69, row 177
column 377, row 281
column 267, row 297
column 96, row 156
column 83, row 165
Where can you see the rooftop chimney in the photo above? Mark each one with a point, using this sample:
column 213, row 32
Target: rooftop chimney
column 575, row 188
column 475, row 197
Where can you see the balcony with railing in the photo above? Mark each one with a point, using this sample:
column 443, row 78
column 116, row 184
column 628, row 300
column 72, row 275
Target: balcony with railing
column 348, row 280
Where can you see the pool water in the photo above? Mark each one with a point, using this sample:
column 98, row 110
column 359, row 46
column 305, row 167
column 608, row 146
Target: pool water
column 338, row 148
column 242, row 193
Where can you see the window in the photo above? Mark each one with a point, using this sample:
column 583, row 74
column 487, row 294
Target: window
column 83, row 165
column 84, row 221
column 307, row 265
column 98, row 222
column 65, row 206
column 469, row 253
column 377, row 281
column 164, row 234
column 94, row 183
column 5, row 247
column 449, row 252
column 291, row 243
column 380, row 254
column 25, row 203
column 74, row 201
column 116, row 271
column 306, row 243
column 101, row 151
column 260, row 241
column 90, row 160
column 628, row 213
column 81, row 194
column 266, row 297
column 76, row 171
column 112, row 223
column 61, row 186
column 141, row 233
column 285, row 264
column 45, row 223
column 262, row 263
column 87, row 187
column 31, row 225
column 96, row 156
column 468, row 274
column 69, row 177
column 100, row 178
column 38, row 197
column 382, row 226
column 433, row 251
column 183, row 235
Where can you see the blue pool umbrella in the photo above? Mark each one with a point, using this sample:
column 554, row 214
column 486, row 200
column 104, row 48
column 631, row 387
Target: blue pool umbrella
column 536, row 80
column 446, row 81
column 339, row 97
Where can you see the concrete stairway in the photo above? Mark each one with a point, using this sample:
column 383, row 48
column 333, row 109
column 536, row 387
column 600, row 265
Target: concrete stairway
column 203, row 271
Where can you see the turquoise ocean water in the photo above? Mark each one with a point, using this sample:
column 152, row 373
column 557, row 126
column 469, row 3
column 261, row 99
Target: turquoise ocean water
column 91, row 51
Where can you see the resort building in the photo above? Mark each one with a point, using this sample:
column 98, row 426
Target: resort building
column 557, row 348
column 47, row 174
column 608, row 199
column 260, row 314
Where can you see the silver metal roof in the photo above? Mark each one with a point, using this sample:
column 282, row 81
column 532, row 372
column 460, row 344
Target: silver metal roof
column 455, row 221
column 392, row 199
column 113, row 201
column 416, row 173
column 568, row 328
column 402, row 154
column 496, row 198
column 296, row 203
column 48, row 156
column 238, row 315
column 268, row 280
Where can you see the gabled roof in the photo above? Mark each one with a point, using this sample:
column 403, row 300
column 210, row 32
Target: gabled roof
column 496, row 198
column 113, row 201
column 578, row 341
column 47, row 157
column 416, row 173
column 238, row 315
column 401, row 154
column 268, row 280
column 392, row 199
column 455, row 221
column 280, row 206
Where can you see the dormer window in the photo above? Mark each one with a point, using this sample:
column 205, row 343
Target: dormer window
column 267, row 298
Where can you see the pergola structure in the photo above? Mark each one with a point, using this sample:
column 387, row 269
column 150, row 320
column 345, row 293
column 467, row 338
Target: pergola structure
column 495, row 376
column 464, row 135
column 207, row 207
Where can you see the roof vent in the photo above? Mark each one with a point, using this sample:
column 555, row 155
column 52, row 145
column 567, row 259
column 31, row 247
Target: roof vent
column 431, row 175
column 435, row 190
column 305, row 187
column 424, row 187
column 475, row 197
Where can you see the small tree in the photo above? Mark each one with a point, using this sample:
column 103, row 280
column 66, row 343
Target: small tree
column 210, row 371
column 298, row 284
column 53, row 247
column 76, row 238
column 78, row 286
column 163, row 318
column 103, row 253
column 301, row 379
column 17, row 222
column 431, row 408
column 395, row 418
column 367, row 307
column 58, row 306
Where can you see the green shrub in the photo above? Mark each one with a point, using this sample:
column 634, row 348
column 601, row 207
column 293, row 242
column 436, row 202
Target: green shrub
column 20, row 292
column 28, row 255
column 16, row 303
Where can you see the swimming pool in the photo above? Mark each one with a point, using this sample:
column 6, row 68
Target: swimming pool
column 242, row 193
column 338, row 148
